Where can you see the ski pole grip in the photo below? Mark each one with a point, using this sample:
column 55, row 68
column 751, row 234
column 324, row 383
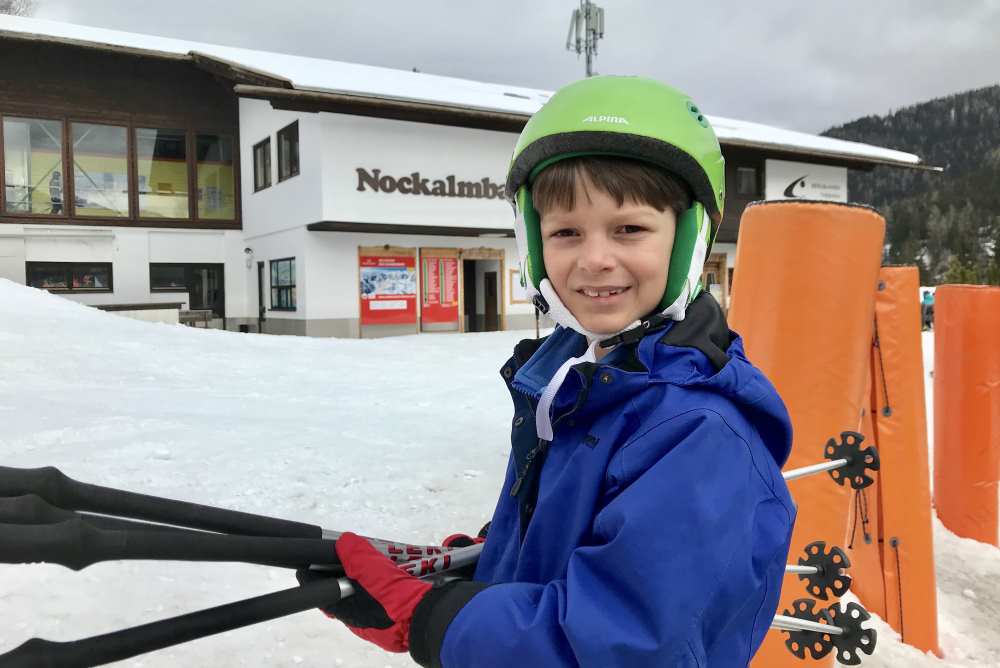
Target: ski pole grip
column 60, row 490
column 124, row 644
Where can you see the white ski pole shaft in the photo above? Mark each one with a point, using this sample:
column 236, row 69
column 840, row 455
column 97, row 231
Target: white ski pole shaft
column 815, row 468
column 801, row 570
column 786, row 623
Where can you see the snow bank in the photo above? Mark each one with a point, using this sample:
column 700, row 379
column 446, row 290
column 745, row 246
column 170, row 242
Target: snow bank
column 404, row 438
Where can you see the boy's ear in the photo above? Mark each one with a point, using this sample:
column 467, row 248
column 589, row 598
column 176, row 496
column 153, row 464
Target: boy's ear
column 533, row 237
column 689, row 229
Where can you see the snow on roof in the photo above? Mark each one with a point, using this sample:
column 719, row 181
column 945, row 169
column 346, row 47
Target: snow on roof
column 331, row 76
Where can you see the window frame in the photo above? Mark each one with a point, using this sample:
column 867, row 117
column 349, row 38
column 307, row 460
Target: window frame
column 233, row 149
column 68, row 215
column 133, row 194
column 69, row 268
column 756, row 181
column 67, row 189
column 267, row 184
column 290, row 287
column 293, row 169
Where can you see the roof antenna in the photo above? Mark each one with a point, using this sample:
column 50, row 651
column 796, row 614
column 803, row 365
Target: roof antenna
column 586, row 26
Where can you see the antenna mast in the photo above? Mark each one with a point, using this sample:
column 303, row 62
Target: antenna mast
column 586, row 26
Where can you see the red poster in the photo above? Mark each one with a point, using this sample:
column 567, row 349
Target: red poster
column 439, row 289
column 388, row 290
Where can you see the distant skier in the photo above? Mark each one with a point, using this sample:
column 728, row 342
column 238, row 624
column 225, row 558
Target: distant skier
column 644, row 520
column 927, row 310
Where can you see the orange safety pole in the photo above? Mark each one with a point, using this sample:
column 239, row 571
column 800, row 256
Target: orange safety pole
column 803, row 299
column 967, row 410
column 905, row 533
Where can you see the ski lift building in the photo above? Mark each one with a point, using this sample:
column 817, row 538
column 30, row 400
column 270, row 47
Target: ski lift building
column 292, row 195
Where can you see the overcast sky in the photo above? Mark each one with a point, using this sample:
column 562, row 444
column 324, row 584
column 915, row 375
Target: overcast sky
column 794, row 64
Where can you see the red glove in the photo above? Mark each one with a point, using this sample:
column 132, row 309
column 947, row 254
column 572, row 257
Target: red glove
column 461, row 540
column 381, row 610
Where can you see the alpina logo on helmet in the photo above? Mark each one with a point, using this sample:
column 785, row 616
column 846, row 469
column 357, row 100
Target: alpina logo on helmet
column 621, row 120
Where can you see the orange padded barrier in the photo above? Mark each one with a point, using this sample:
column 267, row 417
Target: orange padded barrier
column 803, row 299
column 900, row 500
column 967, row 410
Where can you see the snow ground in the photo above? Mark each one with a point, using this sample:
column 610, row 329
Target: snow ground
column 404, row 438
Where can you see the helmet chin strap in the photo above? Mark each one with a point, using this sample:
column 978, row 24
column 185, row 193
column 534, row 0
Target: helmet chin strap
column 548, row 302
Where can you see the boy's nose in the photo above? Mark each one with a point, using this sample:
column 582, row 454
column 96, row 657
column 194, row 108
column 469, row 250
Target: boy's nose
column 595, row 257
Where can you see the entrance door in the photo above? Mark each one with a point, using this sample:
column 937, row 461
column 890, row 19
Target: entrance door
column 469, row 294
column 715, row 279
column 492, row 319
column 261, row 305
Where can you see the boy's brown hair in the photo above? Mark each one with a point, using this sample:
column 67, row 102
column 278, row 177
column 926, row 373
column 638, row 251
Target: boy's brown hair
column 620, row 178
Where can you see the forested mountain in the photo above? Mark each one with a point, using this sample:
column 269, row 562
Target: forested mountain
column 947, row 223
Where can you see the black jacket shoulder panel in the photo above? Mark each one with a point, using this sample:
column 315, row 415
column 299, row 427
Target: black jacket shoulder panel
column 703, row 328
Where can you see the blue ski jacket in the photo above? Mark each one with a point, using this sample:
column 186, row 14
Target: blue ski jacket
column 652, row 531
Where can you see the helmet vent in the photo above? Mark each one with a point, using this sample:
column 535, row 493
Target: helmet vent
column 693, row 110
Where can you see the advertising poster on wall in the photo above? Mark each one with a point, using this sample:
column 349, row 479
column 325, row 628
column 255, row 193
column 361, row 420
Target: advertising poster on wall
column 439, row 281
column 388, row 289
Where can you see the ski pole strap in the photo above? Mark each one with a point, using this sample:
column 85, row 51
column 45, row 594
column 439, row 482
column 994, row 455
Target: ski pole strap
column 60, row 490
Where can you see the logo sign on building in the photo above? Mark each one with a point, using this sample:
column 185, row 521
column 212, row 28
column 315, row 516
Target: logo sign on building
column 415, row 183
column 388, row 289
column 801, row 180
column 439, row 289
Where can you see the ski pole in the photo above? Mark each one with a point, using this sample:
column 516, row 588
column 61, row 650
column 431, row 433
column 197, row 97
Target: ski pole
column 60, row 490
column 126, row 643
column 847, row 462
column 822, row 631
column 32, row 509
column 63, row 494
column 76, row 544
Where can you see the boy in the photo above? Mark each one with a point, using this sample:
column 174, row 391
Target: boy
column 644, row 520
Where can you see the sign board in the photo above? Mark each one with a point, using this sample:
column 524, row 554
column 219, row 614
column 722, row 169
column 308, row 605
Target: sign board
column 439, row 288
column 801, row 180
column 388, row 288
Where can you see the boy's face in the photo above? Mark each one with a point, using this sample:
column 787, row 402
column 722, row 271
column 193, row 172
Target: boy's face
column 608, row 264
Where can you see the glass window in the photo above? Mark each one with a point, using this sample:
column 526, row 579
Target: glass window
column 70, row 276
column 100, row 170
column 288, row 151
column 262, row 165
column 33, row 166
column 169, row 277
column 163, row 173
column 283, row 285
column 746, row 181
column 216, row 186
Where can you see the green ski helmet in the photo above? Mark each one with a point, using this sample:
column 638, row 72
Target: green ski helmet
column 631, row 117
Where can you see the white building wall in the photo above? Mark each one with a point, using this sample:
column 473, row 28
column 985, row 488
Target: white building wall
column 295, row 201
column 401, row 148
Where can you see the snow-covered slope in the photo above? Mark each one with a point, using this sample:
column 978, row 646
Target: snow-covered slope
column 404, row 438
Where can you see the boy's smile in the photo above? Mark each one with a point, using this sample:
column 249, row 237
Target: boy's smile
column 608, row 264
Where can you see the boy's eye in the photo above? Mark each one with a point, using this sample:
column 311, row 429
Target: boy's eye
column 631, row 229
column 563, row 233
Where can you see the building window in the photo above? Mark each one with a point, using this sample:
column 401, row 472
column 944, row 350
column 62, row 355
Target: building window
column 33, row 166
column 288, row 151
column 283, row 284
column 70, row 276
column 204, row 284
column 746, row 182
column 100, row 170
column 216, row 187
column 262, row 165
column 161, row 160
